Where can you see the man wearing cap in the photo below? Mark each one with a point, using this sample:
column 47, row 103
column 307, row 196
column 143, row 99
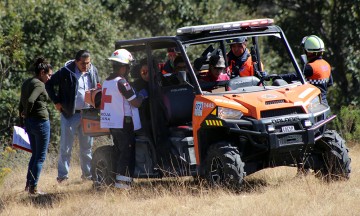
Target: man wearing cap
column 119, row 112
column 66, row 88
column 216, row 70
column 239, row 60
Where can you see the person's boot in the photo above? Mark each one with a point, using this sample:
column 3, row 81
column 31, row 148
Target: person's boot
column 123, row 182
column 27, row 187
column 34, row 191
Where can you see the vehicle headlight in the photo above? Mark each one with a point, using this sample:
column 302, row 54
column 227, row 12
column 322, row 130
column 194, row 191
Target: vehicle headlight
column 227, row 113
column 315, row 105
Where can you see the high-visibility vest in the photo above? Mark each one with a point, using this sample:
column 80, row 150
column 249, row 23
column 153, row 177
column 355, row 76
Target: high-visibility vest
column 321, row 72
column 115, row 107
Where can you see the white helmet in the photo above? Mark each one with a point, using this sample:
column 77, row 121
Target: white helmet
column 122, row 56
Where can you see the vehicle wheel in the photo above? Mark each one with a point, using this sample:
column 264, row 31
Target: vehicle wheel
column 334, row 162
column 223, row 166
column 102, row 166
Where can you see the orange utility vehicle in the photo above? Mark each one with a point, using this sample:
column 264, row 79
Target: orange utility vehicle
column 238, row 127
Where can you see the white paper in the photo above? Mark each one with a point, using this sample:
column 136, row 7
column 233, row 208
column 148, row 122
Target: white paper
column 21, row 139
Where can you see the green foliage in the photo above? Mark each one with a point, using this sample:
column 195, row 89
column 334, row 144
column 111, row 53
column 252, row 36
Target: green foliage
column 54, row 117
column 8, row 114
column 163, row 17
column 57, row 29
column 348, row 123
column 336, row 22
column 11, row 53
column 6, row 157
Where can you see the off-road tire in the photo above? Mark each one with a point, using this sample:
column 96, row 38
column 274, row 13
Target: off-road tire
column 334, row 162
column 223, row 166
column 103, row 166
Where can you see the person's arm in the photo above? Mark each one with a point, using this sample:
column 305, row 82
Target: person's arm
column 50, row 87
column 38, row 89
column 331, row 81
column 21, row 114
column 21, row 107
column 136, row 102
column 128, row 92
column 96, row 75
column 289, row 77
column 308, row 71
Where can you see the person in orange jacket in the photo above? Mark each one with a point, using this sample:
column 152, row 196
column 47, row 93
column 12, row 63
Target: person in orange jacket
column 317, row 71
column 239, row 58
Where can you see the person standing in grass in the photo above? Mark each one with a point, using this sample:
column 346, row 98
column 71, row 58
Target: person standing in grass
column 35, row 117
column 119, row 112
column 66, row 89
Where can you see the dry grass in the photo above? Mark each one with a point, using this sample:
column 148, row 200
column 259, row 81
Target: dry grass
column 269, row 192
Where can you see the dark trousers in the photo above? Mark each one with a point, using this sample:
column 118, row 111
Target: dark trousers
column 39, row 135
column 124, row 142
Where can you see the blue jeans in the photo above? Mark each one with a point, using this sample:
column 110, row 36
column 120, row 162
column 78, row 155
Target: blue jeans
column 39, row 135
column 69, row 128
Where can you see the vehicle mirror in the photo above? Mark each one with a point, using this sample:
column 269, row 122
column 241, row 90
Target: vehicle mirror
column 182, row 76
column 303, row 59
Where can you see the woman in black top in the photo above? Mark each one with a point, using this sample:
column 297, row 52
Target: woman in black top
column 34, row 114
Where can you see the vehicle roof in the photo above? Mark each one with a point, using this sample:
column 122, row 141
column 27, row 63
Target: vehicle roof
column 185, row 38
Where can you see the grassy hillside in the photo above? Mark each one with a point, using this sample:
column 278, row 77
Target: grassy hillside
column 269, row 192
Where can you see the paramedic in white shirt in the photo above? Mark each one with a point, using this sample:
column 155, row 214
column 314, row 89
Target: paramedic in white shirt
column 119, row 112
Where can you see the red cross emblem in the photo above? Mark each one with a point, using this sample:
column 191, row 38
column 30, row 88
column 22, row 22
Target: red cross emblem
column 105, row 99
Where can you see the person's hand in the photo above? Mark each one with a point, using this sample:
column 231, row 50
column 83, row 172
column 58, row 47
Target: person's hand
column 272, row 77
column 143, row 93
column 236, row 70
column 58, row 107
column 21, row 122
column 263, row 73
column 275, row 76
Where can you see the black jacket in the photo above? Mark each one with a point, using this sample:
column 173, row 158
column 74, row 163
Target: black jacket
column 62, row 87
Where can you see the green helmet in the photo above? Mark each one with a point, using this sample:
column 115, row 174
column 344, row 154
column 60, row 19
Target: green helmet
column 313, row 44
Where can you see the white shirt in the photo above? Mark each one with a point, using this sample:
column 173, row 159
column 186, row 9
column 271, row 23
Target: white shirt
column 115, row 104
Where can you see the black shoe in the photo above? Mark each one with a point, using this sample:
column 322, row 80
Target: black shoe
column 27, row 187
column 62, row 179
column 86, row 178
column 34, row 191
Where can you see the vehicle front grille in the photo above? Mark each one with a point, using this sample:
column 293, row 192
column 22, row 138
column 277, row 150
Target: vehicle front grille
column 291, row 139
column 281, row 112
column 274, row 102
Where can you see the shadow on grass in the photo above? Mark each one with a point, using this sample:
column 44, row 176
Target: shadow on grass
column 51, row 199
column 150, row 188
column 254, row 185
column 44, row 200
column 2, row 206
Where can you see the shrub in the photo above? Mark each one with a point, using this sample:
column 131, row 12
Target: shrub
column 6, row 157
column 347, row 123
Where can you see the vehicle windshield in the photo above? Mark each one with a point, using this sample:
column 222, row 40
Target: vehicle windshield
column 217, row 63
column 245, row 64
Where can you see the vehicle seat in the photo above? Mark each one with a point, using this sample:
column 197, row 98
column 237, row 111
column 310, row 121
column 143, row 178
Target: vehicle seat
column 178, row 101
column 241, row 82
column 279, row 82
